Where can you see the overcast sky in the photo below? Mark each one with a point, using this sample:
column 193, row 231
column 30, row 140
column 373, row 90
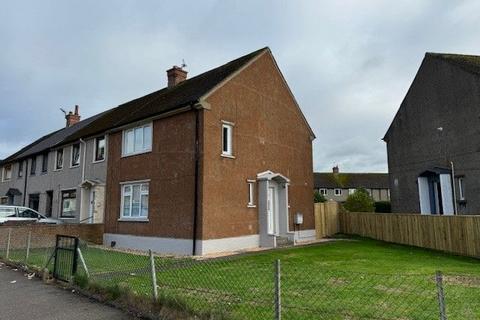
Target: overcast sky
column 349, row 63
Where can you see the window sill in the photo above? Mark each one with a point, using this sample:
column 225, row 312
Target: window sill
column 133, row 220
column 98, row 161
column 136, row 153
column 227, row 156
column 251, row 206
column 75, row 166
column 67, row 217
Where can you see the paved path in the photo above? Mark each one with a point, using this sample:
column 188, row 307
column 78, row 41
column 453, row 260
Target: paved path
column 23, row 299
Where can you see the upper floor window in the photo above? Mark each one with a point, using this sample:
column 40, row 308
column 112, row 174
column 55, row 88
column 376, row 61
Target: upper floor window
column 99, row 153
column 461, row 189
column 7, row 172
column 337, row 192
column 251, row 193
column 351, row 191
column 33, row 165
column 227, row 139
column 322, row 191
column 45, row 162
column 135, row 200
column 20, row 169
column 137, row 140
column 59, row 159
column 75, row 156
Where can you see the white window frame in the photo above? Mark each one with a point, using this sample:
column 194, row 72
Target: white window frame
column 144, row 150
column 72, row 165
column 95, row 149
column 352, row 191
column 56, row 168
column 4, row 174
column 337, row 192
column 228, row 152
column 131, row 184
column 251, row 194
column 61, row 216
column 322, row 191
column 461, row 187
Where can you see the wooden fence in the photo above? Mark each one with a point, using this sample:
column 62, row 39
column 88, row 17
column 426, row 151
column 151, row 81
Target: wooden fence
column 455, row 234
column 327, row 221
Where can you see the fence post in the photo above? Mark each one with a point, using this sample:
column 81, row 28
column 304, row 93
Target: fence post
column 82, row 260
column 154, row 275
column 8, row 243
column 440, row 295
column 278, row 293
column 29, row 239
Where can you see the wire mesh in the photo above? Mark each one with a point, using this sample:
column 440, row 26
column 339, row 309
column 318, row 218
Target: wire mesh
column 243, row 287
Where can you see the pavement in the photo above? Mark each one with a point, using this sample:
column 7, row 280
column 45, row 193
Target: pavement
column 22, row 298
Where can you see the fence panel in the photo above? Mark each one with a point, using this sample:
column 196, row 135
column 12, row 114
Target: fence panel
column 456, row 234
column 326, row 219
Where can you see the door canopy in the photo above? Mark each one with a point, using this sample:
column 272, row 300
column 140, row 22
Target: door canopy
column 269, row 175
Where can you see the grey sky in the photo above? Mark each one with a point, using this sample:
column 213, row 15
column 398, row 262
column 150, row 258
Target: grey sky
column 349, row 63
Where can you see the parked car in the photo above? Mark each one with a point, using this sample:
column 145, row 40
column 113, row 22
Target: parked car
column 21, row 215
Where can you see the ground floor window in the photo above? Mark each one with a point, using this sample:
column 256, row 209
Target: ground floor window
column 69, row 203
column 251, row 192
column 135, row 200
column 4, row 200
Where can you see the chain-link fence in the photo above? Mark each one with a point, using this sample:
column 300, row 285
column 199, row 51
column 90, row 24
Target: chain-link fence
column 260, row 287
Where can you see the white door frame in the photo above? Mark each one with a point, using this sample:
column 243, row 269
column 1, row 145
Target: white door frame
column 91, row 205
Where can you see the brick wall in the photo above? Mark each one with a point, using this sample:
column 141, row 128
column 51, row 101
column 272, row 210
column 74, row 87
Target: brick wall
column 44, row 236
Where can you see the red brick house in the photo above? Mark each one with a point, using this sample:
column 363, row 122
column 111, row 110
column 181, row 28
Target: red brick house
column 218, row 162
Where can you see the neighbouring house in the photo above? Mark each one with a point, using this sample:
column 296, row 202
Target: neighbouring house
column 433, row 141
column 218, row 162
column 64, row 180
column 338, row 185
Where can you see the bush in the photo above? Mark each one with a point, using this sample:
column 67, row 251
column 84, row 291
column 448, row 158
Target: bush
column 360, row 201
column 383, row 207
column 318, row 197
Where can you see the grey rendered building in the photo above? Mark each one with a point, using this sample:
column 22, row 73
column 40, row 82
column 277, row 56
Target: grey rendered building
column 338, row 185
column 433, row 143
column 61, row 179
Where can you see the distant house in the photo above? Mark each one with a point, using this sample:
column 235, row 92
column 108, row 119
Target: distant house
column 337, row 186
column 433, row 142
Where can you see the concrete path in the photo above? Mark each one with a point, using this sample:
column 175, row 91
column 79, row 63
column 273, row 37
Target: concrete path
column 23, row 299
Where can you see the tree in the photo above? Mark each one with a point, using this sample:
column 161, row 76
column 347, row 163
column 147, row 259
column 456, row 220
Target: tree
column 360, row 201
column 318, row 197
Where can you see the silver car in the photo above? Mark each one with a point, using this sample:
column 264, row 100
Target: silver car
column 23, row 215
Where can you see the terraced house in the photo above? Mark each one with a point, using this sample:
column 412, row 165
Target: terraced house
column 218, row 162
column 60, row 178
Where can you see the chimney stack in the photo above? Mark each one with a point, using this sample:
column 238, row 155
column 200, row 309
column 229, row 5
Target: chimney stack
column 175, row 76
column 335, row 169
column 72, row 117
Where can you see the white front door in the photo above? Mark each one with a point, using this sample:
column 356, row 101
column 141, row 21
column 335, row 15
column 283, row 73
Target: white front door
column 91, row 210
column 271, row 210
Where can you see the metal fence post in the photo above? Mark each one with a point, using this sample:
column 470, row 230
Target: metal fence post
column 154, row 275
column 8, row 243
column 278, row 293
column 29, row 239
column 440, row 295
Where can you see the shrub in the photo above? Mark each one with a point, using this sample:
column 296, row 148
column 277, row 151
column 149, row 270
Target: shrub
column 318, row 197
column 383, row 207
column 360, row 201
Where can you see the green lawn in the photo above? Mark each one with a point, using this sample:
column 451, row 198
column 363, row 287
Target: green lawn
column 346, row 279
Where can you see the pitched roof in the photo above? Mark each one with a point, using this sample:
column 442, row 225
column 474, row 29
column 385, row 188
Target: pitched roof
column 331, row 180
column 469, row 63
column 165, row 100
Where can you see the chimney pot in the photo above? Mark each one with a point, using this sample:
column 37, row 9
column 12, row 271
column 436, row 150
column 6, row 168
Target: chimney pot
column 175, row 75
column 336, row 169
column 72, row 117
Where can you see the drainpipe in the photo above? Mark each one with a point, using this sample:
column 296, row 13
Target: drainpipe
column 197, row 160
column 83, row 173
column 453, row 189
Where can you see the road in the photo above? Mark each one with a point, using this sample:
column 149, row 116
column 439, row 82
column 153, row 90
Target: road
column 23, row 299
